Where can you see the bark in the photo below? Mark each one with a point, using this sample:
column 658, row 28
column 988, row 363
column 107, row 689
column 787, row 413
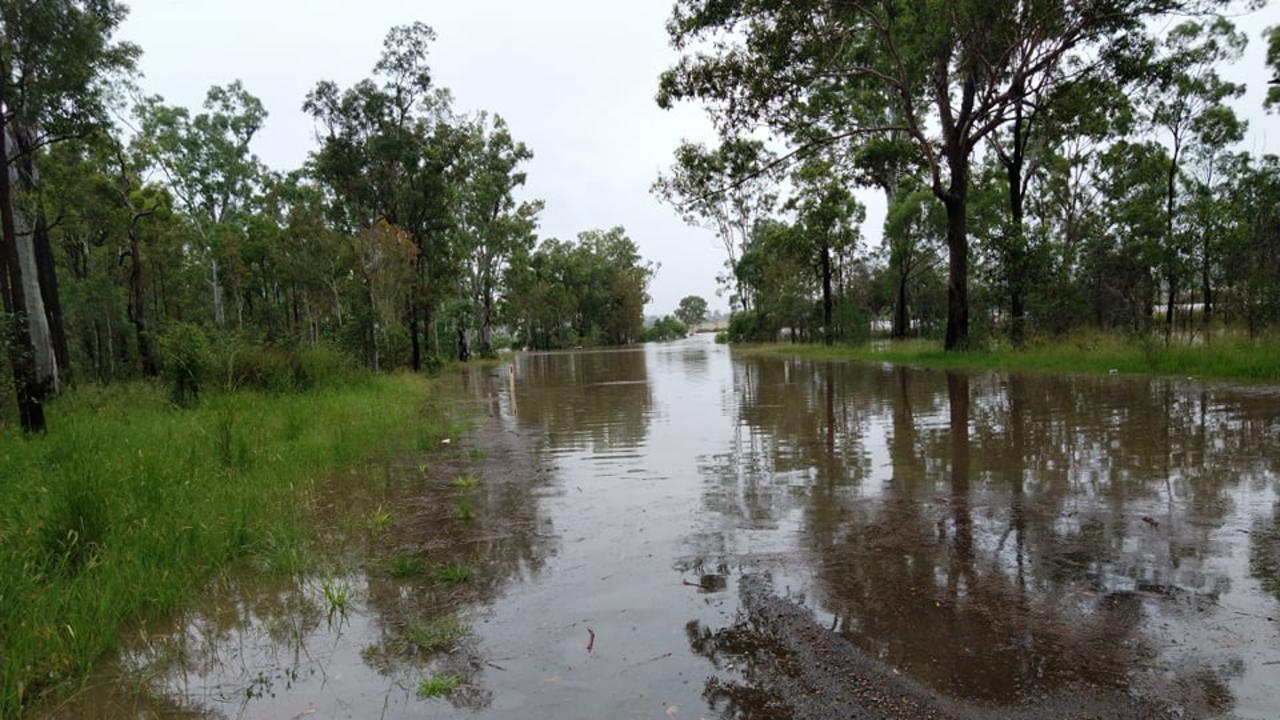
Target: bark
column 900, row 319
column 826, row 293
column 415, row 343
column 21, row 353
column 958, row 275
column 1016, row 252
column 46, row 272
column 137, row 305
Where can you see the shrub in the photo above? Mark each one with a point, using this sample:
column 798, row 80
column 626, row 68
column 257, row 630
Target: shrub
column 184, row 352
column 666, row 329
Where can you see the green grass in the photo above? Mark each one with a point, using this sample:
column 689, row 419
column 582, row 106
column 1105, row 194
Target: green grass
column 437, row 636
column 129, row 506
column 403, row 566
column 453, row 574
column 466, row 482
column 1224, row 358
column 466, row 509
column 378, row 519
column 439, row 685
column 337, row 595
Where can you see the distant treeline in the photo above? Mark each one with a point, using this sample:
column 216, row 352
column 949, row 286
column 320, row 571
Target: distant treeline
column 1046, row 166
column 400, row 242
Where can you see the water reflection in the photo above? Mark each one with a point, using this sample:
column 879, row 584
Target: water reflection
column 1002, row 536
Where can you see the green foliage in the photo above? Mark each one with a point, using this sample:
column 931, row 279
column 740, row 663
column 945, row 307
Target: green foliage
column 184, row 353
column 589, row 292
column 666, row 329
column 692, row 310
column 1273, row 64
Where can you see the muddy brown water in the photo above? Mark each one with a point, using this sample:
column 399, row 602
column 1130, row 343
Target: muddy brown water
column 679, row 531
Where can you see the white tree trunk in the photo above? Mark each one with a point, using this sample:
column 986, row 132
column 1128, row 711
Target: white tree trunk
column 37, row 321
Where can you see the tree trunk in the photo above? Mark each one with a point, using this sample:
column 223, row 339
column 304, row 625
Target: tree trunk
column 1016, row 251
column 958, row 276
column 901, row 322
column 137, row 306
column 827, row 335
column 21, row 353
column 1206, row 287
column 46, row 274
column 415, row 344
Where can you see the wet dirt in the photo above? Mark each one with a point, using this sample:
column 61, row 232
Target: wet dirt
column 677, row 532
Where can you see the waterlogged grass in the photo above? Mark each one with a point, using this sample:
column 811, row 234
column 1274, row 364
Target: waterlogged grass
column 337, row 595
column 378, row 520
column 437, row 636
column 453, row 574
column 1223, row 358
column 439, row 685
column 403, row 566
column 129, row 506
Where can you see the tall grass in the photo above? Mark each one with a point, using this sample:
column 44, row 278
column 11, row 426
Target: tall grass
column 1228, row 357
column 129, row 505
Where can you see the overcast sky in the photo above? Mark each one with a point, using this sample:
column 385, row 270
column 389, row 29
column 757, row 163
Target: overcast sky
column 575, row 79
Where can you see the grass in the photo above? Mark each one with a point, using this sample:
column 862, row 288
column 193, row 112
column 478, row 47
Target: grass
column 403, row 566
column 337, row 595
column 378, row 519
column 437, row 636
column 439, row 685
column 466, row 509
column 129, row 506
column 466, row 482
column 453, row 574
column 1225, row 358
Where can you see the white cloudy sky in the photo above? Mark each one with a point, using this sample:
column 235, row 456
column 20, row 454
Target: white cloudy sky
column 574, row 78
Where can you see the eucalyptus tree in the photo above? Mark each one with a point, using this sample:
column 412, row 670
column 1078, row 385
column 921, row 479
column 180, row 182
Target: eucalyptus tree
column 492, row 225
column 56, row 57
column 954, row 73
column 388, row 153
column 208, row 166
column 1188, row 104
column 725, row 189
column 913, row 233
column 692, row 310
column 829, row 219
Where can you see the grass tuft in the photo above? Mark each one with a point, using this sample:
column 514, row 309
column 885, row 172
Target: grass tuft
column 402, row 566
column 439, row 685
column 440, row 635
column 466, row 482
column 453, row 574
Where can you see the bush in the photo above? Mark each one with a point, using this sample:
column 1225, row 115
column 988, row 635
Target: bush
column 751, row 326
column 666, row 329
column 184, row 353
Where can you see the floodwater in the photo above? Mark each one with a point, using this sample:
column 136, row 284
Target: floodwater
column 679, row 531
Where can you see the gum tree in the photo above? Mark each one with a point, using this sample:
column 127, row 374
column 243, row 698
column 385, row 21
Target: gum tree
column 55, row 59
column 951, row 72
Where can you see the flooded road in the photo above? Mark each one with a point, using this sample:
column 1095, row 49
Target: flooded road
column 679, row 531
